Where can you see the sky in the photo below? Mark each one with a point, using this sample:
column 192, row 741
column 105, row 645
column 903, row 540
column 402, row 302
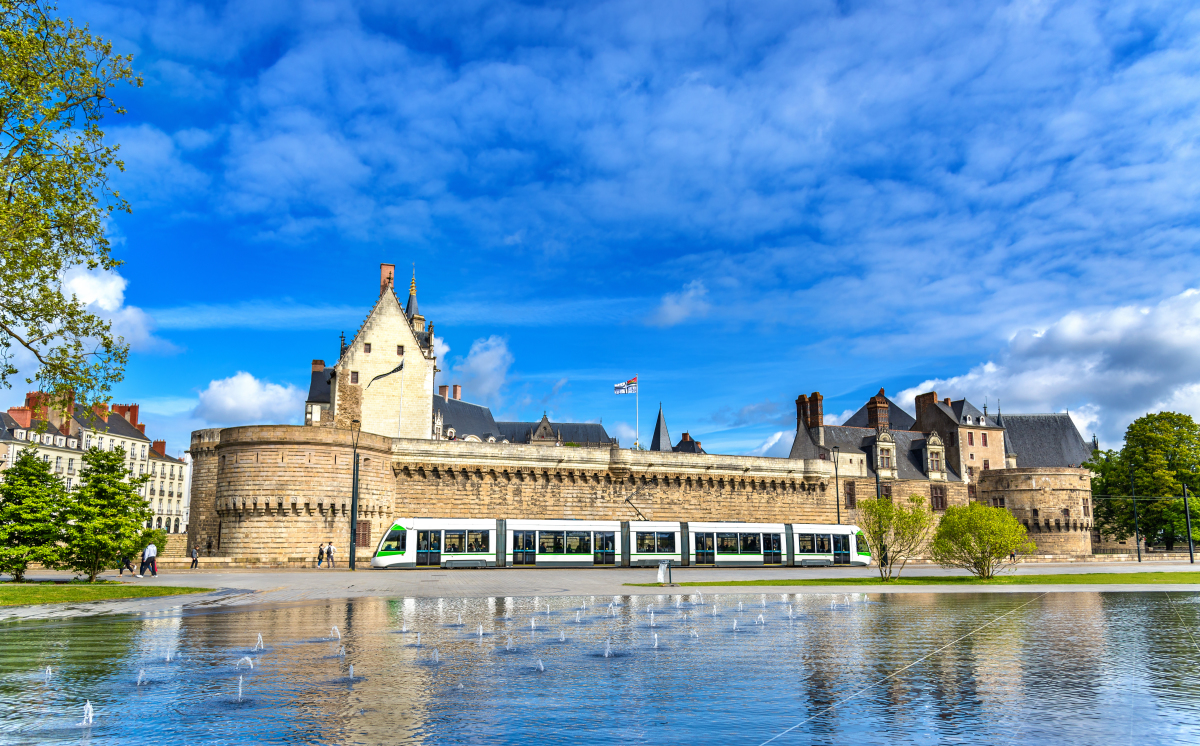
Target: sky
column 735, row 202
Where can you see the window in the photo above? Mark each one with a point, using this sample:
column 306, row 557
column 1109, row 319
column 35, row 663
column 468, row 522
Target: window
column 551, row 542
column 354, row 376
column 367, row 347
column 997, row 502
column 986, row 464
column 935, row 461
column 983, row 439
column 455, row 542
column 970, row 439
column 971, row 491
column 1086, row 508
column 143, row 450
column 727, row 543
column 657, row 542
column 362, row 534
column 885, row 458
column 1066, row 513
column 805, row 544
column 972, row 457
column 971, row 469
column 1035, row 513
column 937, row 497
column 394, row 541
column 579, row 542
column 399, row 349
column 861, row 545
column 70, row 464
column 851, row 497
column 58, row 462
column 885, row 491
column 824, row 543
column 68, row 483
column 751, row 543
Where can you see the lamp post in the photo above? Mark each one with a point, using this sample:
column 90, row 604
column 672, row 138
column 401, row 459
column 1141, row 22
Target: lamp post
column 1137, row 539
column 837, row 489
column 1187, row 512
column 356, row 429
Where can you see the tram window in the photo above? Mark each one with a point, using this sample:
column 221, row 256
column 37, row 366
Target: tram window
column 861, row 545
column 606, row 541
column 751, row 543
column 477, row 541
column 665, row 543
column 455, row 541
column 645, row 542
column 430, row 541
column 394, row 541
column 727, row 543
column 804, row 544
column 579, row 542
column 550, row 542
column 824, row 543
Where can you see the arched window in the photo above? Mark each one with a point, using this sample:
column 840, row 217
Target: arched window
column 159, row 522
column 176, row 525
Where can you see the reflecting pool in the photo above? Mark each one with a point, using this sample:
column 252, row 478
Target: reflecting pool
column 1065, row 668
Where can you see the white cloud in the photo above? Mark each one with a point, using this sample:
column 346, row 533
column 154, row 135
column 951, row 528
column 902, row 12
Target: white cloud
column 778, row 445
column 675, row 308
column 155, row 171
column 624, row 432
column 484, row 371
column 1107, row 366
column 103, row 292
column 440, row 348
column 243, row 399
column 837, row 419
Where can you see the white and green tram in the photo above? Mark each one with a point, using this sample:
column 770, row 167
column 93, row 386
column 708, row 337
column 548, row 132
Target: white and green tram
column 485, row 542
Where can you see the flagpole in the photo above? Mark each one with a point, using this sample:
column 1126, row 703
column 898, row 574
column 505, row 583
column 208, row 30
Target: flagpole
column 637, row 414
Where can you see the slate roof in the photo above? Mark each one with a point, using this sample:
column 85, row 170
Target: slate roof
column 688, row 445
column 661, row 440
column 898, row 419
column 114, row 424
column 1044, row 440
column 466, row 419
column 861, row 440
column 963, row 408
column 319, row 387
column 572, row 432
column 9, row 426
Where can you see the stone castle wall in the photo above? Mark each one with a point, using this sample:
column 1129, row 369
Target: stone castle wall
column 1038, row 497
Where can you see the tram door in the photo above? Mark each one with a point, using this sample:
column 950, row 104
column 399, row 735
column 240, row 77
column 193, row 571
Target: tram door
column 706, row 553
column 773, row 549
column 606, row 548
column 429, row 548
column 841, row 549
column 523, row 548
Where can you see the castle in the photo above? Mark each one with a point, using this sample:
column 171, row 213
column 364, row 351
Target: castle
column 271, row 493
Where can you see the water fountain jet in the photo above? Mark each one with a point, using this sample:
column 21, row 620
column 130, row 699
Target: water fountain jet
column 334, row 632
column 244, row 659
column 539, row 665
column 258, row 645
column 88, row 713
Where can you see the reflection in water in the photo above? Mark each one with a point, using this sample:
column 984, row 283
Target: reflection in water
column 860, row 669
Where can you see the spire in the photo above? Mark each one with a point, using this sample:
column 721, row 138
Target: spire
column 661, row 441
column 411, row 309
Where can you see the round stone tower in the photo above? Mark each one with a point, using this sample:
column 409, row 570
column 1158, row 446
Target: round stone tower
column 202, row 520
column 1054, row 504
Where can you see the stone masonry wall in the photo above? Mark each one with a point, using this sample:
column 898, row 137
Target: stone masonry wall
column 203, row 520
column 1037, row 497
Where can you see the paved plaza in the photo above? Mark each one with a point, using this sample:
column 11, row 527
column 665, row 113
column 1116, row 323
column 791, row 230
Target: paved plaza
column 236, row 588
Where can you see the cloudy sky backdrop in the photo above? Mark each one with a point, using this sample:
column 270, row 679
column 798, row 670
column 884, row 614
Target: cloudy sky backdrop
column 738, row 202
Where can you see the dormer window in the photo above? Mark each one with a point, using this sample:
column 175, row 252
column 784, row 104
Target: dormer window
column 450, row 433
column 72, row 443
column 367, row 347
column 885, row 458
column 935, row 462
column 19, row 435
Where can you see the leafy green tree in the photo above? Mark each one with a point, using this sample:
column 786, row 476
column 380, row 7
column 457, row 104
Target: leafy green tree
column 978, row 539
column 1160, row 456
column 32, row 498
column 55, row 85
column 894, row 532
column 107, row 516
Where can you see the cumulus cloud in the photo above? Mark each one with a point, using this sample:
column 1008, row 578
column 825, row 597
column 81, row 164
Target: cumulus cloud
column 624, row 432
column 440, row 348
column 243, row 399
column 778, row 445
column 757, row 413
column 1107, row 366
column 675, row 308
column 484, row 371
column 155, row 171
column 103, row 292
column 837, row 419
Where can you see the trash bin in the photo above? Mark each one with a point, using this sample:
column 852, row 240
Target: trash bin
column 662, row 571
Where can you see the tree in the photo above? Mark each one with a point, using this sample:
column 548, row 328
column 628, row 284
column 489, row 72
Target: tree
column 106, row 514
column 977, row 538
column 894, row 532
column 55, row 83
column 1160, row 456
column 32, row 498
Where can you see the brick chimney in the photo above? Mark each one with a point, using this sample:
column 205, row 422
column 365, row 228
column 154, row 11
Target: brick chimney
column 801, row 412
column 816, row 410
column 387, row 277
column 457, row 392
column 141, row 428
column 444, row 392
column 922, row 403
column 100, row 410
column 128, row 411
column 877, row 412
column 23, row 416
column 159, row 446
column 318, row 366
column 947, row 401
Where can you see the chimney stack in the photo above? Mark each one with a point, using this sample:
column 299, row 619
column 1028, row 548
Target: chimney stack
column 923, row 402
column 159, row 446
column 801, row 412
column 387, row 274
column 318, row 366
column 100, row 410
column 457, row 392
column 816, row 410
column 947, row 401
column 23, row 416
column 128, row 411
column 877, row 412
column 444, row 392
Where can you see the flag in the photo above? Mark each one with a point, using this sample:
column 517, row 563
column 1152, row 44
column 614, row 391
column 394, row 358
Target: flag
column 629, row 387
column 397, row 369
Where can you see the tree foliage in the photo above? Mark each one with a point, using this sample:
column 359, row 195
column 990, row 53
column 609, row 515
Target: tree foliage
column 32, row 499
column 978, row 539
column 55, row 85
column 895, row 532
column 1160, row 456
column 107, row 516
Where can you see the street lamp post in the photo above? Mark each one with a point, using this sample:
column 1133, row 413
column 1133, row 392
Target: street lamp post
column 356, row 428
column 837, row 489
column 1137, row 538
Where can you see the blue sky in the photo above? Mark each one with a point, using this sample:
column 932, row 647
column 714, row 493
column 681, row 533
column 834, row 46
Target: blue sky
column 737, row 202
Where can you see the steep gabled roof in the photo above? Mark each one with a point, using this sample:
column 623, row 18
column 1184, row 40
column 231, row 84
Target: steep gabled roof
column 661, row 440
column 466, row 419
column 1044, row 440
column 898, row 419
column 572, row 432
column 319, row 387
column 910, row 449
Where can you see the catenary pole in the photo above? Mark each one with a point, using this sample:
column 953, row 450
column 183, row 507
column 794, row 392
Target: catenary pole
column 1137, row 539
column 837, row 490
column 354, row 494
column 637, row 413
column 1187, row 512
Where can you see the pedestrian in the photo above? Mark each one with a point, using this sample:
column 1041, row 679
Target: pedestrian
column 329, row 553
column 195, row 557
column 320, row 555
column 126, row 564
column 149, row 559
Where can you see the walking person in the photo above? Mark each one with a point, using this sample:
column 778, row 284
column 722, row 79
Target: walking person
column 195, row 557
column 126, row 564
column 149, row 559
column 329, row 553
column 320, row 555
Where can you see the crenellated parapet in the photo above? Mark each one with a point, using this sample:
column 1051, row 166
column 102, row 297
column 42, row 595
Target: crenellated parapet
column 1053, row 503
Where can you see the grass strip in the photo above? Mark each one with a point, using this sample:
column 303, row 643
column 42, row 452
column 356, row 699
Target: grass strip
column 1092, row 578
column 26, row 594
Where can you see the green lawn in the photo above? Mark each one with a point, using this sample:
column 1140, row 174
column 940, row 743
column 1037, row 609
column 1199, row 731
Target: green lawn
column 24, row 594
column 1094, row 578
